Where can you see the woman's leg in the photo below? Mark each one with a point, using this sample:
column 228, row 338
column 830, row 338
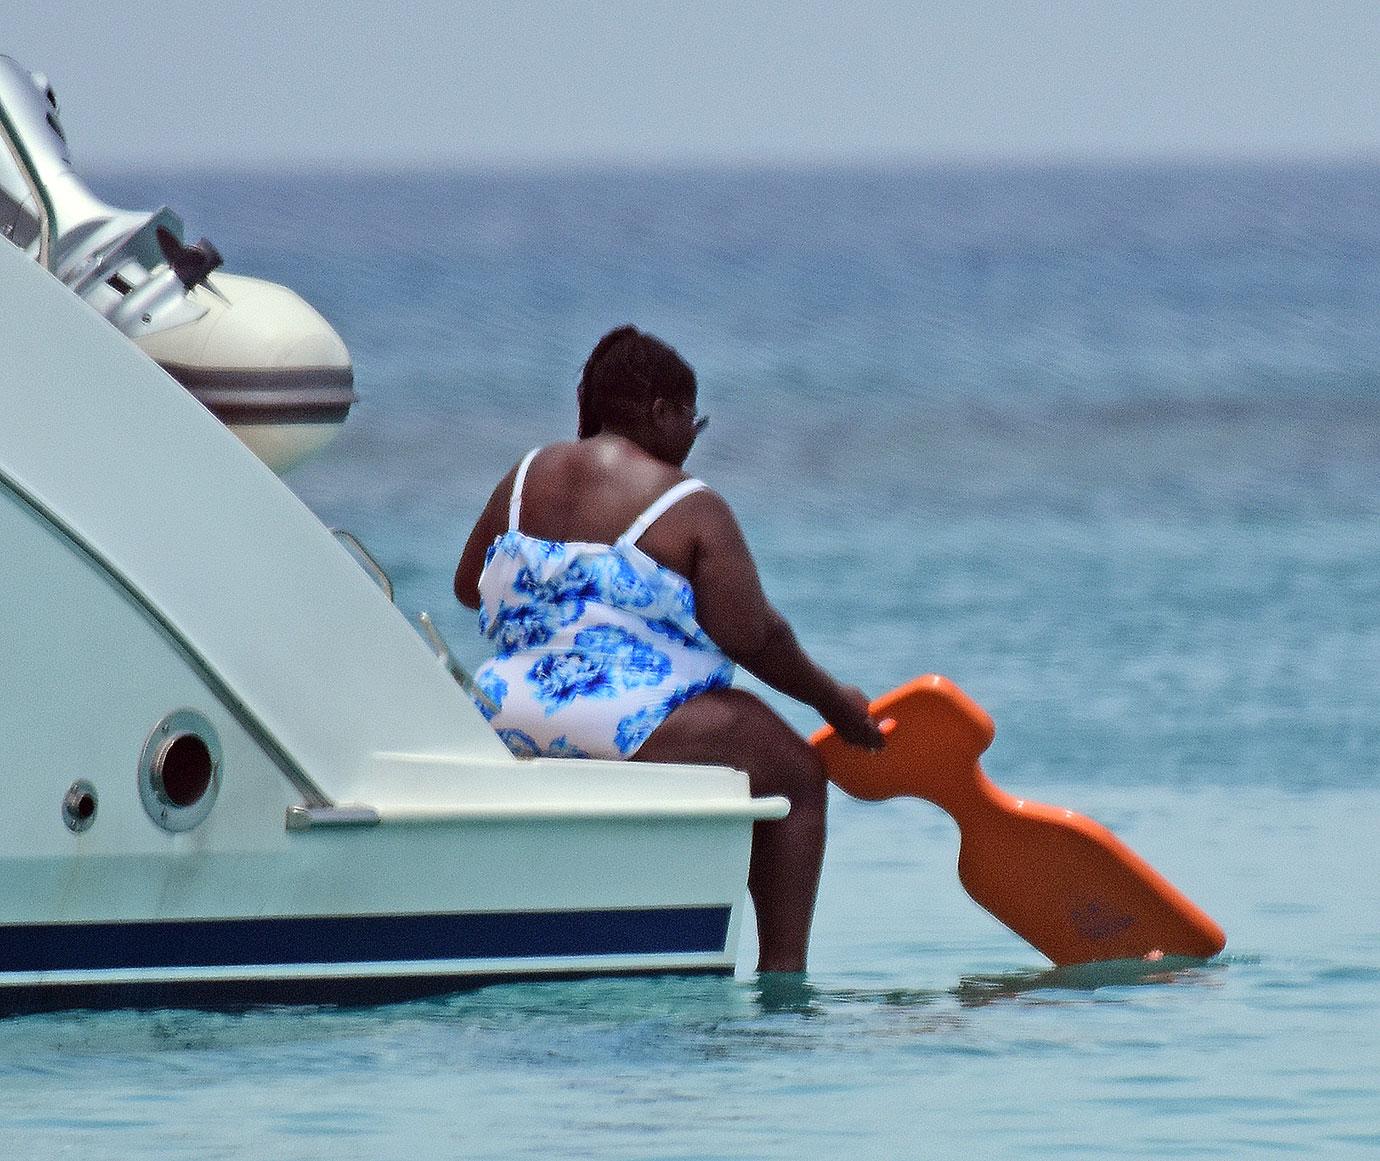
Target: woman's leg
column 731, row 727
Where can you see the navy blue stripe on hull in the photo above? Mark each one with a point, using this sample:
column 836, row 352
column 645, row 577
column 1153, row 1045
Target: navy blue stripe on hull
column 360, row 939
column 237, row 995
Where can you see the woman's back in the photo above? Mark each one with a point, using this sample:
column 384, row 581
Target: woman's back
column 593, row 490
column 596, row 641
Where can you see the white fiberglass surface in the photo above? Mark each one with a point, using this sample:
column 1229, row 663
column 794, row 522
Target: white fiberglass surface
column 108, row 446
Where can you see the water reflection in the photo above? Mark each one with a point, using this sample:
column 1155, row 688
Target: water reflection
column 567, row 1025
column 978, row 990
column 787, row 993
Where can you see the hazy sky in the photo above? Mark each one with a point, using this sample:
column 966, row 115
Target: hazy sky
column 352, row 83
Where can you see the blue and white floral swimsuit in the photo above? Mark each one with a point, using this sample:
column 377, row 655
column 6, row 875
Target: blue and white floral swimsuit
column 596, row 643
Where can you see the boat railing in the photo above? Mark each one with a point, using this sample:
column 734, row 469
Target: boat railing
column 365, row 559
column 430, row 633
column 453, row 667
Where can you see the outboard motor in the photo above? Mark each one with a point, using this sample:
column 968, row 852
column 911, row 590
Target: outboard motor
column 253, row 352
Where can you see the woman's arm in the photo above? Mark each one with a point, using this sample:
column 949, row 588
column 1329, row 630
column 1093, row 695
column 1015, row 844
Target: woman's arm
column 492, row 522
column 732, row 608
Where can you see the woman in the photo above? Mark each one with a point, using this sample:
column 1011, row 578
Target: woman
column 620, row 594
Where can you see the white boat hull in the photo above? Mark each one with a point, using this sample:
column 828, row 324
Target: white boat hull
column 390, row 912
column 232, row 773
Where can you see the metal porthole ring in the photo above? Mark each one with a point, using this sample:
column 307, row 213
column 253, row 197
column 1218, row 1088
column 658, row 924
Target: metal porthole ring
column 179, row 770
column 79, row 806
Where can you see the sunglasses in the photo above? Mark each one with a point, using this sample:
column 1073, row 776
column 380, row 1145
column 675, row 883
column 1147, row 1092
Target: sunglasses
column 697, row 421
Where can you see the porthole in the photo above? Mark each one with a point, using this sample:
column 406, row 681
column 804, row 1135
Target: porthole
column 79, row 806
column 179, row 770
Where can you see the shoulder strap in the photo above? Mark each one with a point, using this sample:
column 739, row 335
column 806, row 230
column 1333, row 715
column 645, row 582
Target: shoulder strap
column 515, row 501
column 658, row 506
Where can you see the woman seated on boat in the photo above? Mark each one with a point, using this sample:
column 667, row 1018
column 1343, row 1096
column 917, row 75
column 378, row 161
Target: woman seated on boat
column 619, row 593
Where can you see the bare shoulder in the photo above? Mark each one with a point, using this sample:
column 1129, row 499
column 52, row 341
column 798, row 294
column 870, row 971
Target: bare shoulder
column 702, row 521
column 712, row 506
column 708, row 509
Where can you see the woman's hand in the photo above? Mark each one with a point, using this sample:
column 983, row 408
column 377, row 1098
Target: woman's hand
column 850, row 717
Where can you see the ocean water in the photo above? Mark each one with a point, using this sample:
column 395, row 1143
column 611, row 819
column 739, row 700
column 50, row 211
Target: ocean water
column 1101, row 444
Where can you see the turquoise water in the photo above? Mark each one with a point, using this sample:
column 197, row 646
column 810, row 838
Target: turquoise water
column 1099, row 444
column 925, row 1031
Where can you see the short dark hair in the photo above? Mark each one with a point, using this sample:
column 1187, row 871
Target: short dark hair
column 625, row 372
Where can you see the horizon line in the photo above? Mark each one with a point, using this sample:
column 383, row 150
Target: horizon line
column 592, row 165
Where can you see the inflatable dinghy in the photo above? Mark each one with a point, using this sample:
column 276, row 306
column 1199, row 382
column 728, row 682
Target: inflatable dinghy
column 254, row 353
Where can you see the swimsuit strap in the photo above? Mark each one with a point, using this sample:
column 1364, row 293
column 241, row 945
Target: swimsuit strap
column 515, row 502
column 673, row 494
